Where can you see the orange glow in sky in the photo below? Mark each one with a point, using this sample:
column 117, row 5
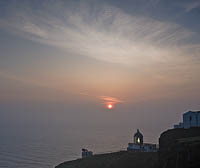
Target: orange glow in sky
column 110, row 106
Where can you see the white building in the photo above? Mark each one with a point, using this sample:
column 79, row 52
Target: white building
column 86, row 153
column 139, row 146
column 190, row 119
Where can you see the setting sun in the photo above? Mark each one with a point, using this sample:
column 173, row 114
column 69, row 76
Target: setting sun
column 110, row 106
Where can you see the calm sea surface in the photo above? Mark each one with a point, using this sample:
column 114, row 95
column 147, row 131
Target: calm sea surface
column 45, row 147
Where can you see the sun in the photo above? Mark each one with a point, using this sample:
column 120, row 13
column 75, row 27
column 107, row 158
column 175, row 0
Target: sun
column 109, row 106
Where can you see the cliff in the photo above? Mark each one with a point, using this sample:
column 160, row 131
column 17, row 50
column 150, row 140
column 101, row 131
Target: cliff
column 180, row 148
column 121, row 159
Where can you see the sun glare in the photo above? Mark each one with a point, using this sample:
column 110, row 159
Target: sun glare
column 110, row 106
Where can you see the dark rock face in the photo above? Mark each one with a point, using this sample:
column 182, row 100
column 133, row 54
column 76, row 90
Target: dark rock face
column 180, row 148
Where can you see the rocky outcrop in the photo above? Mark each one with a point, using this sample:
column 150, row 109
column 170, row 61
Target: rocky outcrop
column 180, row 148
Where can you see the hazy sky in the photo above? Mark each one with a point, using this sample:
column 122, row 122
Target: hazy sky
column 62, row 61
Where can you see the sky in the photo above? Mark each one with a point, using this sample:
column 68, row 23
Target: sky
column 64, row 61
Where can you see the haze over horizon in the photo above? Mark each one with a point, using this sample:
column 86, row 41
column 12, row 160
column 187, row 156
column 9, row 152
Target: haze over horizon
column 62, row 62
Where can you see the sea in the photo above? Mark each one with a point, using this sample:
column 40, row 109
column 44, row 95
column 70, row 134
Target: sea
column 39, row 146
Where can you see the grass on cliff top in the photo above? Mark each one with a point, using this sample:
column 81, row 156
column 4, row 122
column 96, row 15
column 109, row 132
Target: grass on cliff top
column 123, row 159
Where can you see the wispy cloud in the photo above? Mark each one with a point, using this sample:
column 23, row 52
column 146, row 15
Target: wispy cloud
column 104, row 99
column 102, row 32
column 190, row 5
column 110, row 100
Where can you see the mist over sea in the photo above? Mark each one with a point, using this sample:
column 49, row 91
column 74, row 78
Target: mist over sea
column 37, row 146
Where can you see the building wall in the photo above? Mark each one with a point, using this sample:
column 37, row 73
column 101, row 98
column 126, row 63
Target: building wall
column 198, row 119
column 180, row 125
column 86, row 153
column 133, row 146
column 149, row 148
column 186, row 119
column 142, row 148
column 191, row 119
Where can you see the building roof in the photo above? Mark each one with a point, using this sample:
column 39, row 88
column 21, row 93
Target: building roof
column 138, row 134
column 191, row 112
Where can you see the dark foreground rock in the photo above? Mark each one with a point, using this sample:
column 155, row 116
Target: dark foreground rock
column 180, row 148
column 121, row 159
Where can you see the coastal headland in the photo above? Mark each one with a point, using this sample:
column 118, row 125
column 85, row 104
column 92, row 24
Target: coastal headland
column 178, row 148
